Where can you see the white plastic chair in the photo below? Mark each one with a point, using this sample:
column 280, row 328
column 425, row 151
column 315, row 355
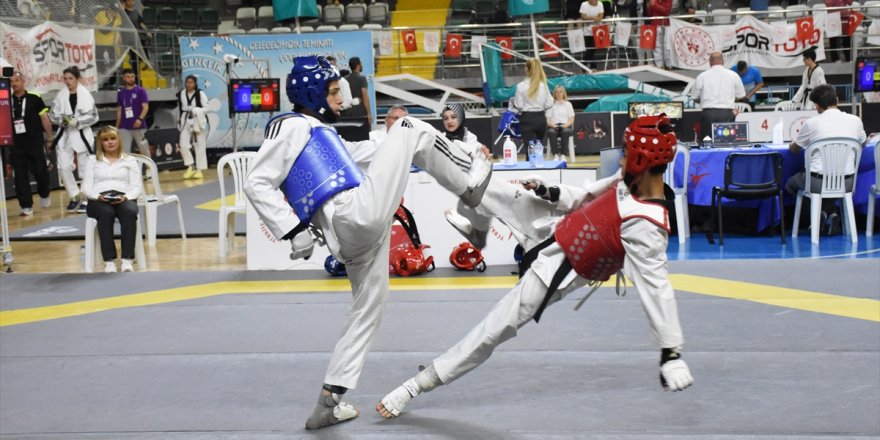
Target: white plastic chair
column 722, row 16
column 152, row 202
column 683, row 222
column 93, row 247
column 796, row 11
column 776, row 13
column 239, row 164
column 786, row 106
column 348, row 27
column 742, row 107
column 873, row 192
column 872, row 9
column 834, row 154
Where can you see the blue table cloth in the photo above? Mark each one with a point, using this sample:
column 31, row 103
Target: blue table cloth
column 707, row 171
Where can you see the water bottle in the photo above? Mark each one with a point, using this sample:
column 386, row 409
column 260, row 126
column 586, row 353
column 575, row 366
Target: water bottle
column 531, row 154
column 509, row 152
column 777, row 133
column 539, row 154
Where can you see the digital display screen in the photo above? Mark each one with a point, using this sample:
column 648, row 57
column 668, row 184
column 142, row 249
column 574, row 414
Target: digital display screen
column 5, row 113
column 673, row 110
column 255, row 95
column 730, row 133
column 867, row 75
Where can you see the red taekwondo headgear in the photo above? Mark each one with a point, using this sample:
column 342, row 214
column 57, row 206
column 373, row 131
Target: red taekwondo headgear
column 649, row 142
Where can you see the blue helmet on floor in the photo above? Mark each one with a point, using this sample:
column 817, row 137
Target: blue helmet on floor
column 307, row 83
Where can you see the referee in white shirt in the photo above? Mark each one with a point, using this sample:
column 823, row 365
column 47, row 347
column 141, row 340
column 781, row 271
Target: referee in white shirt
column 716, row 90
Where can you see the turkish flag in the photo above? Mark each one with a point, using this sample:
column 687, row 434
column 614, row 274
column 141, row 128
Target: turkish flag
column 648, row 36
column 409, row 40
column 855, row 19
column 453, row 45
column 551, row 52
column 804, row 28
column 505, row 43
column 602, row 36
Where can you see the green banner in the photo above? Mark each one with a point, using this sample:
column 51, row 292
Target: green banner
column 526, row 7
column 287, row 9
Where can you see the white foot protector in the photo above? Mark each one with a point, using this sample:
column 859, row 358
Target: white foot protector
column 329, row 411
column 395, row 401
column 478, row 180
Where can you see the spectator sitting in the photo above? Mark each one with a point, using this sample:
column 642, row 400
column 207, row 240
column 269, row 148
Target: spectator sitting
column 560, row 119
column 113, row 183
column 829, row 123
column 395, row 112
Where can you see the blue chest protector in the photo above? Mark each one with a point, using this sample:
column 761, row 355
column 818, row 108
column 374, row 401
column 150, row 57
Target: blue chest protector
column 323, row 169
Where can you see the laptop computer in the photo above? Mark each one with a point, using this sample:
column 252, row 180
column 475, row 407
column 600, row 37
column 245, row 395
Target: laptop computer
column 730, row 134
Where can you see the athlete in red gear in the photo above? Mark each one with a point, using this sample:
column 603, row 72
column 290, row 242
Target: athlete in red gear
column 613, row 223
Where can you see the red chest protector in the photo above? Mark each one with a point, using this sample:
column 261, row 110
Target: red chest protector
column 590, row 235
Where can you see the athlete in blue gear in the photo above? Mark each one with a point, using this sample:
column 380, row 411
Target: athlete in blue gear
column 304, row 165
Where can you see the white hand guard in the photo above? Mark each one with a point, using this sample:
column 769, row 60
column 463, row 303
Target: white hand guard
column 302, row 245
column 675, row 375
column 533, row 179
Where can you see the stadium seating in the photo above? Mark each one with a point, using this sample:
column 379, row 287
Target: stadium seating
column 356, row 13
column 333, row 15
column 266, row 17
column 377, row 12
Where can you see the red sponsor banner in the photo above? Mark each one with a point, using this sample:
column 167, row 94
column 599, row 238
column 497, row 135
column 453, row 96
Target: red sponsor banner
column 506, row 43
column 648, row 36
column 853, row 22
column 804, row 28
column 602, row 36
column 453, row 45
column 551, row 52
column 409, row 40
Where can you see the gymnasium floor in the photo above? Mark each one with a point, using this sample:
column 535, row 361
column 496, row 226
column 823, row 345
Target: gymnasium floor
column 784, row 343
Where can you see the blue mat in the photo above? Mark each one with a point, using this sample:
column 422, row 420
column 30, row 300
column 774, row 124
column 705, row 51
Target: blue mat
column 199, row 222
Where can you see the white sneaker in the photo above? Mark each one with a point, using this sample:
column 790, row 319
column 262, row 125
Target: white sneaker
column 556, row 157
column 109, row 267
column 45, row 202
column 27, row 212
column 126, row 266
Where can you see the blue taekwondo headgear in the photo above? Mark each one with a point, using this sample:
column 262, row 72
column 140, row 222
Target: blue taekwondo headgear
column 307, row 83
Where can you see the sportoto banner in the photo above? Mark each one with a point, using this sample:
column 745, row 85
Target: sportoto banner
column 262, row 56
column 42, row 52
column 754, row 41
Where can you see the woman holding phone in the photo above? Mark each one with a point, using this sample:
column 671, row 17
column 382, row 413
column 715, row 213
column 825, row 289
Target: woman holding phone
column 112, row 182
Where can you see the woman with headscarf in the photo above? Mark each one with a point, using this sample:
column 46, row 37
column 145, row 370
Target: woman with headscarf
column 74, row 111
column 504, row 200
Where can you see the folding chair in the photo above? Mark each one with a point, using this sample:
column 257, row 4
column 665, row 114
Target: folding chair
column 749, row 176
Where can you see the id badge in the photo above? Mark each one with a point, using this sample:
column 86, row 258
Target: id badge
column 129, row 113
column 19, row 126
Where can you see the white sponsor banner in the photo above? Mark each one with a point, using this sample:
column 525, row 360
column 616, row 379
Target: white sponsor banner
column 758, row 43
column 41, row 54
